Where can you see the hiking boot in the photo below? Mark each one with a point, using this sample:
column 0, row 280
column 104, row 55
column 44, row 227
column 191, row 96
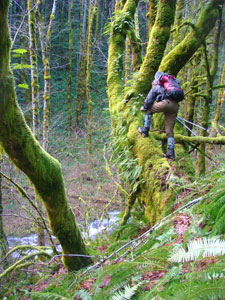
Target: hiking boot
column 170, row 154
column 170, row 148
column 143, row 131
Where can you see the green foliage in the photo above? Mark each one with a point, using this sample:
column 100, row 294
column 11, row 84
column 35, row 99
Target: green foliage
column 123, row 159
column 127, row 294
column 19, row 51
column 122, row 22
column 214, row 210
column 49, row 296
column 16, row 66
column 201, row 286
column 83, row 294
column 23, row 86
column 202, row 247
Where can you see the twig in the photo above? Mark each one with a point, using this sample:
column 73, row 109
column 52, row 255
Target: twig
column 202, row 152
column 17, row 216
column 21, row 24
column 72, row 255
column 89, row 197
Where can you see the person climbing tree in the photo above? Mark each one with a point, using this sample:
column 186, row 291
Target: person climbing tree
column 163, row 97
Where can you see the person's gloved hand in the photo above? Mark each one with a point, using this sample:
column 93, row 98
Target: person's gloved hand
column 142, row 108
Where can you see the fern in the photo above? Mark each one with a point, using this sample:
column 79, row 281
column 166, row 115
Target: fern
column 83, row 294
column 128, row 292
column 48, row 296
column 201, row 247
column 198, row 289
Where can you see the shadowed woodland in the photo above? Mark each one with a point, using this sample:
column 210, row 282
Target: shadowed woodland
column 73, row 78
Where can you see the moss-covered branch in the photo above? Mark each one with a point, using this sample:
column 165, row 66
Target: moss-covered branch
column 159, row 36
column 26, row 153
column 152, row 189
column 22, row 262
column 192, row 139
column 179, row 56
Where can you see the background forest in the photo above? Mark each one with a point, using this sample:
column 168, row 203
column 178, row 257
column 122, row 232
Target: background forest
column 73, row 161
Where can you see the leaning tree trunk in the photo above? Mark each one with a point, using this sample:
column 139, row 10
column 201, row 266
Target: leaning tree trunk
column 150, row 185
column 24, row 150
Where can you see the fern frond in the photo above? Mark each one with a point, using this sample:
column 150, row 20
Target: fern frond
column 201, row 247
column 128, row 292
column 49, row 296
column 195, row 290
column 83, row 294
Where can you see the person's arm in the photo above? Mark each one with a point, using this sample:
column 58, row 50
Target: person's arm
column 150, row 98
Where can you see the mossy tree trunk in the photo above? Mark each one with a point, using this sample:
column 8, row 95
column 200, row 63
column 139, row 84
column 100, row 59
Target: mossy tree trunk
column 220, row 100
column 46, row 51
column 25, row 80
column 211, row 69
column 34, row 64
column 69, row 84
column 178, row 35
column 154, row 187
column 81, row 91
column 24, row 150
column 91, row 44
column 152, row 9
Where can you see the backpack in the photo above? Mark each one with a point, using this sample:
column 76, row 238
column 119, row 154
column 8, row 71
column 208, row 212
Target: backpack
column 172, row 87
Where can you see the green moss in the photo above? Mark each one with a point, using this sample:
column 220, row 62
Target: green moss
column 42, row 169
column 177, row 58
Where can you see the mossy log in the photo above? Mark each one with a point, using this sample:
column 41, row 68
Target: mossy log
column 154, row 186
column 220, row 140
column 42, row 169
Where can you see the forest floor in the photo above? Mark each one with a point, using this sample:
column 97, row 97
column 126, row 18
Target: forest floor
column 144, row 271
column 154, row 267
column 90, row 189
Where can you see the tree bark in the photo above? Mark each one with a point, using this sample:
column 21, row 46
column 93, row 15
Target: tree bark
column 24, row 150
column 81, row 91
column 46, row 50
column 211, row 69
column 33, row 63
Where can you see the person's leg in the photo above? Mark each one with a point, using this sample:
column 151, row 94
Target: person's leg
column 170, row 109
column 147, row 122
column 170, row 119
column 170, row 148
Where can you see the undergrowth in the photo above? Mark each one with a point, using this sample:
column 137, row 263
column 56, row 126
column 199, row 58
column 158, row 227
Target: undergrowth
column 182, row 259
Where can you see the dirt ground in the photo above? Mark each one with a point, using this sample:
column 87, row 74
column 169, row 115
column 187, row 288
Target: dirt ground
column 90, row 192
